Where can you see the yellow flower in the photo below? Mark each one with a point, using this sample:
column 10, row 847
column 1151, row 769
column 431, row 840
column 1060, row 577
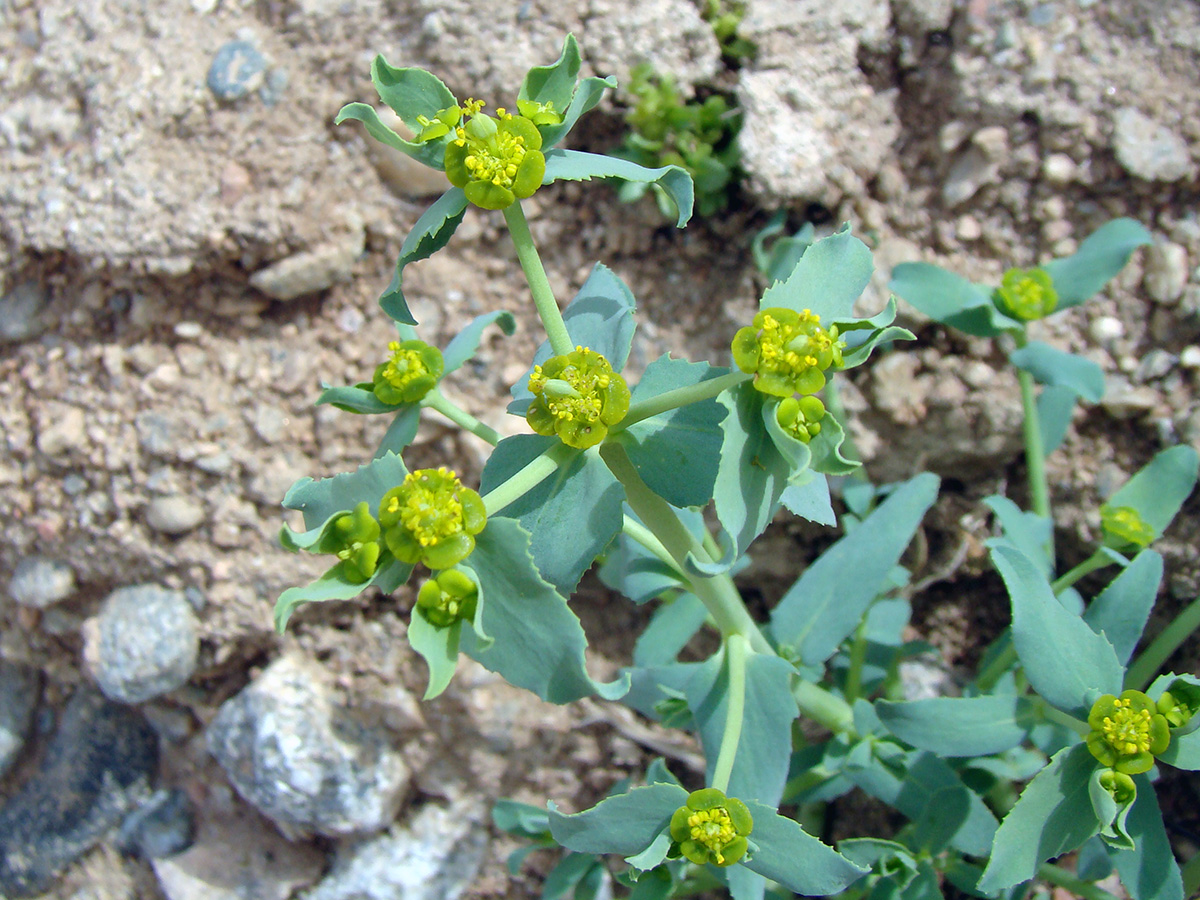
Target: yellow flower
column 787, row 352
column 431, row 518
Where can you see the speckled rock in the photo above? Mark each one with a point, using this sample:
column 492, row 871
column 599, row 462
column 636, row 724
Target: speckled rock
column 144, row 643
column 1166, row 272
column 310, row 270
column 1147, row 148
column 22, row 312
column 40, row 582
column 95, row 770
column 174, row 514
column 292, row 752
column 19, row 689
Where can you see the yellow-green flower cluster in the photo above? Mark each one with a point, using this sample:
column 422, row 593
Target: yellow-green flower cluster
column 711, row 828
column 1127, row 732
column 495, row 160
column 801, row 417
column 577, row 397
column 1027, row 294
column 412, row 372
column 1124, row 528
column 354, row 540
column 449, row 597
column 431, row 519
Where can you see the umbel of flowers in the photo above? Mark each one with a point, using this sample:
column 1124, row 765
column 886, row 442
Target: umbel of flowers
column 577, row 397
column 431, row 518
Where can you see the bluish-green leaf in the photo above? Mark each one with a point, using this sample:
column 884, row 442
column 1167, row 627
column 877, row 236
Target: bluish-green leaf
column 587, row 95
column 353, row 398
column 1149, row 870
column 430, row 234
column 1027, row 531
column 1158, row 490
column 520, row 819
column 1067, row 663
column 790, row 856
column 1122, row 608
column 1053, row 815
column 432, row 154
column 637, row 573
column 575, row 165
column 882, row 333
column 599, row 317
column 438, row 647
column 410, row 92
column 401, row 432
column 677, row 453
column 827, row 280
column 761, row 765
column 625, row 824
column 671, row 627
column 1099, row 258
column 830, row 597
column 1055, row 404
column 959, row 726
column 1184, row 751
column 333, row 586
column 577, row 874
column 466, row 342
column 555, row 83
column 318, row 500
column 809, row 499
column 950, row 299
column 1051, row 366
column 1109, row 814
column 572, row 515
column 538, row 643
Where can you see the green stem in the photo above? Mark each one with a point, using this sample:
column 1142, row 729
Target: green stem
column 539, row 284
column 824, row 708
column 999, row 664
column 716, row 592
column 1097, row 560
column 1146, row 666
column 736, row 647
column 644, row 536
column 1035, row 453
column 525, row 480
column 1050, row 714
column 858, row 657
column 1191, row 876
column 1060, row 877
column 436, row 400
column 692, row 393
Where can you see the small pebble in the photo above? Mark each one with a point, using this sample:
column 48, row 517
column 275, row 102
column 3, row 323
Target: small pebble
column 1154, row 365
column 174, row 514
column 39, row 582
column 144, row 643
column 1190, row 357
column 1059, row 169
column 1166, row 272
column 189, row 331
column 21, row 312
column 1147, row 149
column 1106, row 329
column 162, row 826
column 273, row 87
column 236, row 70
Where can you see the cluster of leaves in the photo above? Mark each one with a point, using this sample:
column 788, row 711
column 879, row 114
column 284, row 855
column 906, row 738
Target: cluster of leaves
column 623, row 474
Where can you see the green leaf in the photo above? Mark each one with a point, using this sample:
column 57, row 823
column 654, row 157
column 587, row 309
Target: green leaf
column 1110, row 816
column 827, row 280
column 1053, row 815
column 430, row 234
column 520, row 819
column 318, row 500
column 883, row 333
column 466, row 342
column 677, row 452
column 950, row 299
column 353, row 398
column 1051, row 366
column 959, row 726
column 555, row 83
column 625, row 824
column 1121, row 610
column 809, row 499
column 634, row 571
column 672, row 626
column 574, row 165
column 910, row 781
column 411, row 93
column 538, row 643
column 587, row 95
column 438, row 647
column 1067, row 663
column 831, row 596
column 793, row 858
column 1149, row 870
column 1099, row 258
column 401, row 432
column 1183, row 751
column 431, row 154
column 1159, row 489
column 575, row 872
column 1055, row 404
column 761, row 765
column 333, row 586
column 1027, row 531
column 572, row 515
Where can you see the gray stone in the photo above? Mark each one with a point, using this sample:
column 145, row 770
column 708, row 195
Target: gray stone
column 96, row 769
column 40, row 582
column 62, row 431
column 1147, row 149
column 1155, row 364
column 144, row 643
column 22, row 313
column 1166, row 272
column 19, row 689
column 925, row 679
column 236, row 70
column 311, row 270
column 1125, row 401
column 918, row 17
column 302, row 759
column 162, row 826
column 174, row 514
column 435, row 857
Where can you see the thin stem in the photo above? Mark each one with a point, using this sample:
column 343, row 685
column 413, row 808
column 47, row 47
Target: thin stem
column 692, row 393
column 1060, row 877
column 716, row 592
column 824, row 708
column 539, row 284
column 644, row 536
column 436, row 400
column 735, row 646
column 524, row 480
column 1097, row 560
column 1035, row 453
column 858, row 657
column 999, row 664
column 1057, row 716
column 1144, row 668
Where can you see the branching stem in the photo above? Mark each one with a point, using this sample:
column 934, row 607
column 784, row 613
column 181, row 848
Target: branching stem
column 438, row 401
column 692, row 393
column 525, row 480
